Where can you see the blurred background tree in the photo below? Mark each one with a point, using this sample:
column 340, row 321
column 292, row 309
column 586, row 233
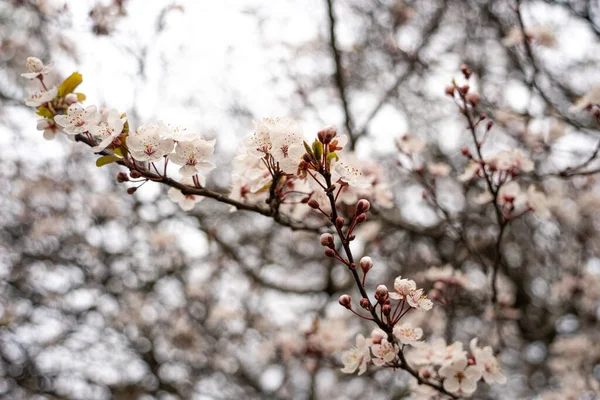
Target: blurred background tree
column 106, row 295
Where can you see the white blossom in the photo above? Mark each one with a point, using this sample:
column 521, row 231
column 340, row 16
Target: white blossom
column 384, row 352
column 49, row 127
column 402, row 288
column 282, row 138
column 36, row 67
column 192, row 156
column 358, row 357
column 186, row 201
column 460, row 377
column 108, row 129
column 42, row 97
column 343, row 171
column 406, row 334
column 148, row 143
column 485, row 360
column 416, row 299
column 78, row 120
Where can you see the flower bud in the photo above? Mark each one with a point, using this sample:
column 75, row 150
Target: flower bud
column 345, row 301
column 472, row 98
column 439, row 285
column 489, row 125
column 466, row 71
column 329, row 252
column 339, row 222
column 366, row 263
column 386, row 309
column 326, row 240
column 381, row 293
column 450, row 90
column 361, row 218
column 122, row 177
column 326, row 134
column 464, row 89
column 365, row 303
column 312, row 203
column 71, row 98
column 307, row 157
column 135, row 174
column 362, row 206
column 466, row 152
column 131, row 190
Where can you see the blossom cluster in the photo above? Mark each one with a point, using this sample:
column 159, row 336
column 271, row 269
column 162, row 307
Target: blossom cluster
column 108, row 129
column 459, row 371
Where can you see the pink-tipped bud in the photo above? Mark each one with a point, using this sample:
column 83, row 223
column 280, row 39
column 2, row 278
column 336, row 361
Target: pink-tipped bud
column 366, row 263
column 472, row 98
column 131, row 190
column 466, row 71
column 122, row 177
column 365, row 303
column 361, row 218
column 464, row 89
column 326, row 134
column 71, row 98
column 489, row 125
column 312, row 203
column 346, row 301
column 466, row 152
column 326, row 240
column 381, row 293
column 362, row 206
column 339, row 222
column 386, row 309
column 135, row 174
column 329, row 252
column 450, row 90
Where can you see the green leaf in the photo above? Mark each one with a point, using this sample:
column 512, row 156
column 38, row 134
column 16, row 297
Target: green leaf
column 106, row 160
column 44, row 112
column 317, row 148
column 308, row 149
column 80, row 96
column 69, row 84
column 332, row 156
column 119, row 151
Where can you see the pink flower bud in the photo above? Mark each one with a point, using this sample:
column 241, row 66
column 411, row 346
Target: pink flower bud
column 464, row 89
column 339, row 222
column 329, row 252
column 326, row 134
column 362, row 206
column 365, row 303
column 312, row 203
column 466, row 71
column 366, row 263
column 439, row 285
column 466, row 152
column 386, row 309
column 472, row 98
column 122, row 177
column 381, row 293
column 135, row 174
column 345, row 301
column 450, row 90
column 326, row 240
column 361, row 218
column 131, row 190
